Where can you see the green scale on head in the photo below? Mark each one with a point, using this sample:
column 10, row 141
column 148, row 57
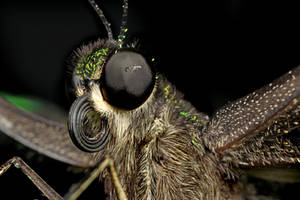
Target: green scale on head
column 89, row 65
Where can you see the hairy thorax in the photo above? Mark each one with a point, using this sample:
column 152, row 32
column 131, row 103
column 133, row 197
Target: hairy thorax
column 160, row 154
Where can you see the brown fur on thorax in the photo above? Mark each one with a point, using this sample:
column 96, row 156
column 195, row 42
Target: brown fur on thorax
column 160, row 154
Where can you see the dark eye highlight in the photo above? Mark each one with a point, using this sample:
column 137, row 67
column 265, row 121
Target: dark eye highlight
column 127, row 80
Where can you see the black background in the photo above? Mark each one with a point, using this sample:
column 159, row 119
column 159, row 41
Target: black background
column 214, row 51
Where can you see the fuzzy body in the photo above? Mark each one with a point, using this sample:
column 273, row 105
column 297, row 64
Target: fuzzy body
column 158, row 150
column 166, row 149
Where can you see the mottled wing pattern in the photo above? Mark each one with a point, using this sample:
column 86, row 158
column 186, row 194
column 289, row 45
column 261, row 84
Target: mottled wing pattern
column 260, row 129
column 45, row 136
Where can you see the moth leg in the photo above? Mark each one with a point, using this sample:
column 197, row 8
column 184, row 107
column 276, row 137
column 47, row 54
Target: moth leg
column 32, row 175
column 76, row 191
column 115, row 179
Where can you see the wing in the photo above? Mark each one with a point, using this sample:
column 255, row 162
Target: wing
column 45, row 136
column 262, row 128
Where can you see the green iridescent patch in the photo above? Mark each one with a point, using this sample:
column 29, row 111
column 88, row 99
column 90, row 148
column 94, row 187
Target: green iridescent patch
column 167, row 92
column 121, row 38
column 88, row 66
column 194, row 142
column 185, row 114
column 21, row 102
column 188, row 115
column 170, row 98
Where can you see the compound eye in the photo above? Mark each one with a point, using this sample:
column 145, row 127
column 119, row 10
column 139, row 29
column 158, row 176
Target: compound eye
column 127, row 80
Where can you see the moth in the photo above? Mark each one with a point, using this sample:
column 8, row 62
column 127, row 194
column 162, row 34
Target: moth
column 161, row 146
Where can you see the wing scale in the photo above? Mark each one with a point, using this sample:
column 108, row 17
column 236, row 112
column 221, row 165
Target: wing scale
column 45, row 136
column 260, row 129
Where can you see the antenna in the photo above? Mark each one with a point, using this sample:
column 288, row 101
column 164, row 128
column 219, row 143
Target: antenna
column 103, row 19
column 123, row 27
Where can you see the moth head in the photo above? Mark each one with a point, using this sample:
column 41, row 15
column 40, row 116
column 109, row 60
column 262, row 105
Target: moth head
column 108, row 81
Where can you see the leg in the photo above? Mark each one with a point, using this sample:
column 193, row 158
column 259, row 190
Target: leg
column 32, row 175
column 76, row 191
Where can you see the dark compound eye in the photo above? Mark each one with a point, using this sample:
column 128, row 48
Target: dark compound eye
column 127, row 80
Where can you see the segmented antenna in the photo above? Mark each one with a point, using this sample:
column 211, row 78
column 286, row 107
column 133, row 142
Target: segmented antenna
column 103, row 19
column 123, row 27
